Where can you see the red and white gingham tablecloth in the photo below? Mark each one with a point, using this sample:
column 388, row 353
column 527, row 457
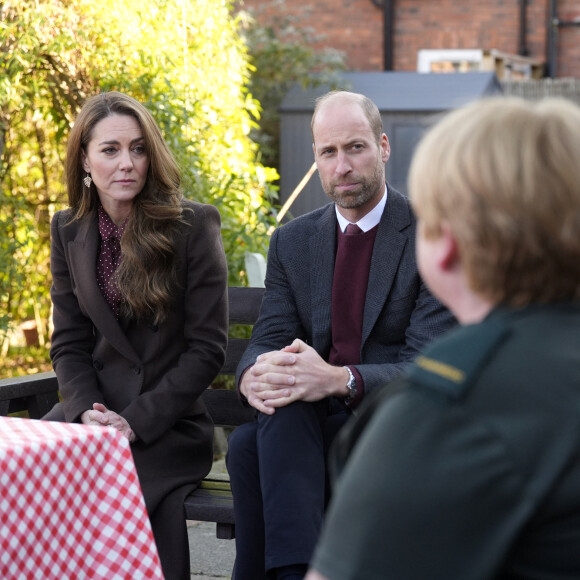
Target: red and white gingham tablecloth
column 70, row 504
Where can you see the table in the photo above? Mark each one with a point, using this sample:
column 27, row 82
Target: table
column 70, row 504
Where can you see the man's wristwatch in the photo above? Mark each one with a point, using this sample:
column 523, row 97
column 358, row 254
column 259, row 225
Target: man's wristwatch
column 351, row 386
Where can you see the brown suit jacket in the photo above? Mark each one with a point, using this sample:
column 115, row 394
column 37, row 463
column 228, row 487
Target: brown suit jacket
column 151, row 375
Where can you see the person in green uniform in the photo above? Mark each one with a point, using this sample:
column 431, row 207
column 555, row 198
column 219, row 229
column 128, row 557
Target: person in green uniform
column 468, row 468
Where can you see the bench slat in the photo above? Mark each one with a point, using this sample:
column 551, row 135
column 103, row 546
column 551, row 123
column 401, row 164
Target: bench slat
column 225, row 408
column 212, row 502
column 36, row 405
column 28, row 385
column 234, row 352
column 244, row 303
column 36, row 393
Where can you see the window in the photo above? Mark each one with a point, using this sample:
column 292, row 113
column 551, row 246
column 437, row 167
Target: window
column 449, row 60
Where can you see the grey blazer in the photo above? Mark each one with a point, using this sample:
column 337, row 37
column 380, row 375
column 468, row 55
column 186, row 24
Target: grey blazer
column 400, row 313
column 151, row 375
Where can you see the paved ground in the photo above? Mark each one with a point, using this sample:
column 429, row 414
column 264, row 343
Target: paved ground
column 211, row 559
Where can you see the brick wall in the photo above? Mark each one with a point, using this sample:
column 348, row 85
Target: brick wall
column 436, row 24
column 569, row 40
column 356, row 28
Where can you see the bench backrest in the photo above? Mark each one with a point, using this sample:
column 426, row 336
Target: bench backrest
column 224, row 405
column 39, row 392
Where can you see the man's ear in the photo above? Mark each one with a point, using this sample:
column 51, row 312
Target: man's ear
column 385, row 148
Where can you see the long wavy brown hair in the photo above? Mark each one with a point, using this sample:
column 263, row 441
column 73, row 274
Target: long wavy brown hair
column 146, row 275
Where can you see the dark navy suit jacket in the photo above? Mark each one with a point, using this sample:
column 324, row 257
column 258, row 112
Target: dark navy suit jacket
column 400, row 314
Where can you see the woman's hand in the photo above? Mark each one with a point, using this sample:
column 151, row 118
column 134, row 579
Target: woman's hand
column 100, row 415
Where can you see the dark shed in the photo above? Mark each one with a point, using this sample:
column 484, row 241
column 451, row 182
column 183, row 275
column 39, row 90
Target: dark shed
column 409, row 102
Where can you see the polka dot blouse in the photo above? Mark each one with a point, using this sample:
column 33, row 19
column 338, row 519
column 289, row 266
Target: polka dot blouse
column 109, row 258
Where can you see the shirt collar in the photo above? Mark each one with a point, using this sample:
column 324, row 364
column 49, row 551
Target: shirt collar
column 107, row 227
column 369, row 221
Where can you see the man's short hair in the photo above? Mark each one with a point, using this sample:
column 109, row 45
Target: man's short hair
column 369, row 108
column 504, row 174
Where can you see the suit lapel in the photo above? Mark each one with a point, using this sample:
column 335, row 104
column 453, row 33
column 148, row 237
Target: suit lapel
column 387, row 253
column 322, row 252
column 83, row 258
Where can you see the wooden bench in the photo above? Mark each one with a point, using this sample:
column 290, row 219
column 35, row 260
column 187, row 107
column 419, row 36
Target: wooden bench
column 212, row 500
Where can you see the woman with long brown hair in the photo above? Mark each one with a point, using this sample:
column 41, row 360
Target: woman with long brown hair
column 140, row 307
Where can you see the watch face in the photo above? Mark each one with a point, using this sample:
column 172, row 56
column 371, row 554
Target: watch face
column 351, row 386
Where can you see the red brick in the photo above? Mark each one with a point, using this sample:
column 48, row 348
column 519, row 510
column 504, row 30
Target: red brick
column 356, row 28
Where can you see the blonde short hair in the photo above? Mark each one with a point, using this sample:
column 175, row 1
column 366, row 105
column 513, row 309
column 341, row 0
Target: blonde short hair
column 504, row 175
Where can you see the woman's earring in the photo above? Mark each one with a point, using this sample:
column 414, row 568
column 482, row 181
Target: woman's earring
column 87, row 181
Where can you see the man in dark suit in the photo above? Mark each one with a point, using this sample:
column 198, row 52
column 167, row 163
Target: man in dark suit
column 343, row 314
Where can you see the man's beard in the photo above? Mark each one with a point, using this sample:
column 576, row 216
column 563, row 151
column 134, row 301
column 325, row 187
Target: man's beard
column 369, row 188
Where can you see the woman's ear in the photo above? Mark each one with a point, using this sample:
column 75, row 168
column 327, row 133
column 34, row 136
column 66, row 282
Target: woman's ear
column 84, row 162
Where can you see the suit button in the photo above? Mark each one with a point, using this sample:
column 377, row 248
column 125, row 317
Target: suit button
column 136, row 369
column 98, row 365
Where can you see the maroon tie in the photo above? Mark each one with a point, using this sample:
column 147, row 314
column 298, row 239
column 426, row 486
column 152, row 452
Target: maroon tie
column 348, row 297
column 353, row 229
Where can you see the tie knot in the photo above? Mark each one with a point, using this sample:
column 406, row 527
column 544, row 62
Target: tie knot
column 353, row 229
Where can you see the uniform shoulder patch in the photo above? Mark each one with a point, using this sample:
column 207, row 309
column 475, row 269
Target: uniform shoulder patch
column 451, row 363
